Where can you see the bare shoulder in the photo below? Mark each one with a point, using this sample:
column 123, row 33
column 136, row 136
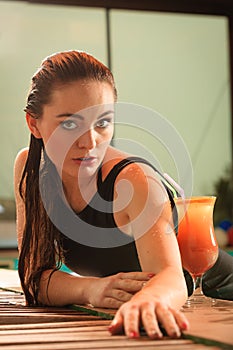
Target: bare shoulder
column 137, row 172
column 19, row 165
column 112, row 157
column 20, row 160
column 141, row 176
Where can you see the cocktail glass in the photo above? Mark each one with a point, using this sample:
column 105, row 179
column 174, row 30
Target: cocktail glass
column 197, row 242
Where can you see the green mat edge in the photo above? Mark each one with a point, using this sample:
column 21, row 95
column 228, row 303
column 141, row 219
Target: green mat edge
column 206, row 341
column 93, row 312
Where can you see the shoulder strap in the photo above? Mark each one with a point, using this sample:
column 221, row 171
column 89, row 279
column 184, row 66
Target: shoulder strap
column 109, row 181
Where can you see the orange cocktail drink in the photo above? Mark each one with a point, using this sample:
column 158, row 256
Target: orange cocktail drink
column 196, row 238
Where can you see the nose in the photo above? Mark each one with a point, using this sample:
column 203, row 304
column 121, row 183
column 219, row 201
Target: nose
column 87, row 140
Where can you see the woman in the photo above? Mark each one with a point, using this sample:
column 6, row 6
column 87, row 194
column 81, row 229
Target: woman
column 68, row 173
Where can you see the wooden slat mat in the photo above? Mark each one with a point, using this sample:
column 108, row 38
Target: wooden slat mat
column 209, row 325
column 26, row 328
column 212, row 325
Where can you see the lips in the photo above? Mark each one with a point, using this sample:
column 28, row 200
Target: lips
column 85, row 161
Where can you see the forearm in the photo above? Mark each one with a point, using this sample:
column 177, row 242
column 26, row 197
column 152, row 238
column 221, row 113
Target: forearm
column 59, row 288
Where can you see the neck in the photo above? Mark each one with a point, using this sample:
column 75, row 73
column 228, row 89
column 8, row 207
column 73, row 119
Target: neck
column 78, row 192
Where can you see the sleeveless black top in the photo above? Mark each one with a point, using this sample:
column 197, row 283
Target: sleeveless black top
column 93, row 244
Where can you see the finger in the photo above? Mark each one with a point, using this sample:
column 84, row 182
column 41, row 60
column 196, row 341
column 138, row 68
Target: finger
column 168, row 321
column 117, row 325
column 138, row 275
column 149, row 321
column 129, row 285
column 111, row 303
column 131, row 321
column 181, row 320
column 120, row 295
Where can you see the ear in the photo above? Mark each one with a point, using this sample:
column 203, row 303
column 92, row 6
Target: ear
column 32, row 124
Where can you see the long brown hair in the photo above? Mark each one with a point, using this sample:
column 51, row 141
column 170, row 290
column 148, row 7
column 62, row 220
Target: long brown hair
column 41, row 248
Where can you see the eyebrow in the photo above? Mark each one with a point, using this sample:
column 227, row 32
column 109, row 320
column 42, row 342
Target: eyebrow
column 79, row 116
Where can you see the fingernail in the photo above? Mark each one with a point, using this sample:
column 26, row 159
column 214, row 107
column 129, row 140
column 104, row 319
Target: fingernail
column 151, row 275
column 175, row 334
column 184, row 326
column 110, row 328
column 155, row 334
column 133, row 334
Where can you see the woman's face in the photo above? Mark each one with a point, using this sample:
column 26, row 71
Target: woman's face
column 77, row 126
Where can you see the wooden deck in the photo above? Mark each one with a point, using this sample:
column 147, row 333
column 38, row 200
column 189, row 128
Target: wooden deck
column 82, row 327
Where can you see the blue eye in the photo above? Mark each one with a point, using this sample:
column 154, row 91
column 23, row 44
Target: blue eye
column 69, row 125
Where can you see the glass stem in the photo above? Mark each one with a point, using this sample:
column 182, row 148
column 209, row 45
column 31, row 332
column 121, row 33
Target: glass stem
column 200, row 285
column 197, row 281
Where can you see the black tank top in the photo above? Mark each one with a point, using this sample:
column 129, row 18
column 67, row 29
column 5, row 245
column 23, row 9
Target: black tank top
column 93, row 244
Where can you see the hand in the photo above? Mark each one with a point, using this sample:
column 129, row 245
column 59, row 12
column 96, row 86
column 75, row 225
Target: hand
column 144, row 310
column 113, row 291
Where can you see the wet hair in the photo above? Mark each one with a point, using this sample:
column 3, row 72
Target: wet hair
column 41, row 247
column 62, row 68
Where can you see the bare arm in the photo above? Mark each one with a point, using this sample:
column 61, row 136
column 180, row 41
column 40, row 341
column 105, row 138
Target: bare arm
column 108, row 292
column 149, row 212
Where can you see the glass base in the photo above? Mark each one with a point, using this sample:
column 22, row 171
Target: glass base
column 198, row 300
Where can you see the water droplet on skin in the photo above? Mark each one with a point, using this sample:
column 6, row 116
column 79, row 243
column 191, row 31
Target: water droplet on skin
column 156, row 234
